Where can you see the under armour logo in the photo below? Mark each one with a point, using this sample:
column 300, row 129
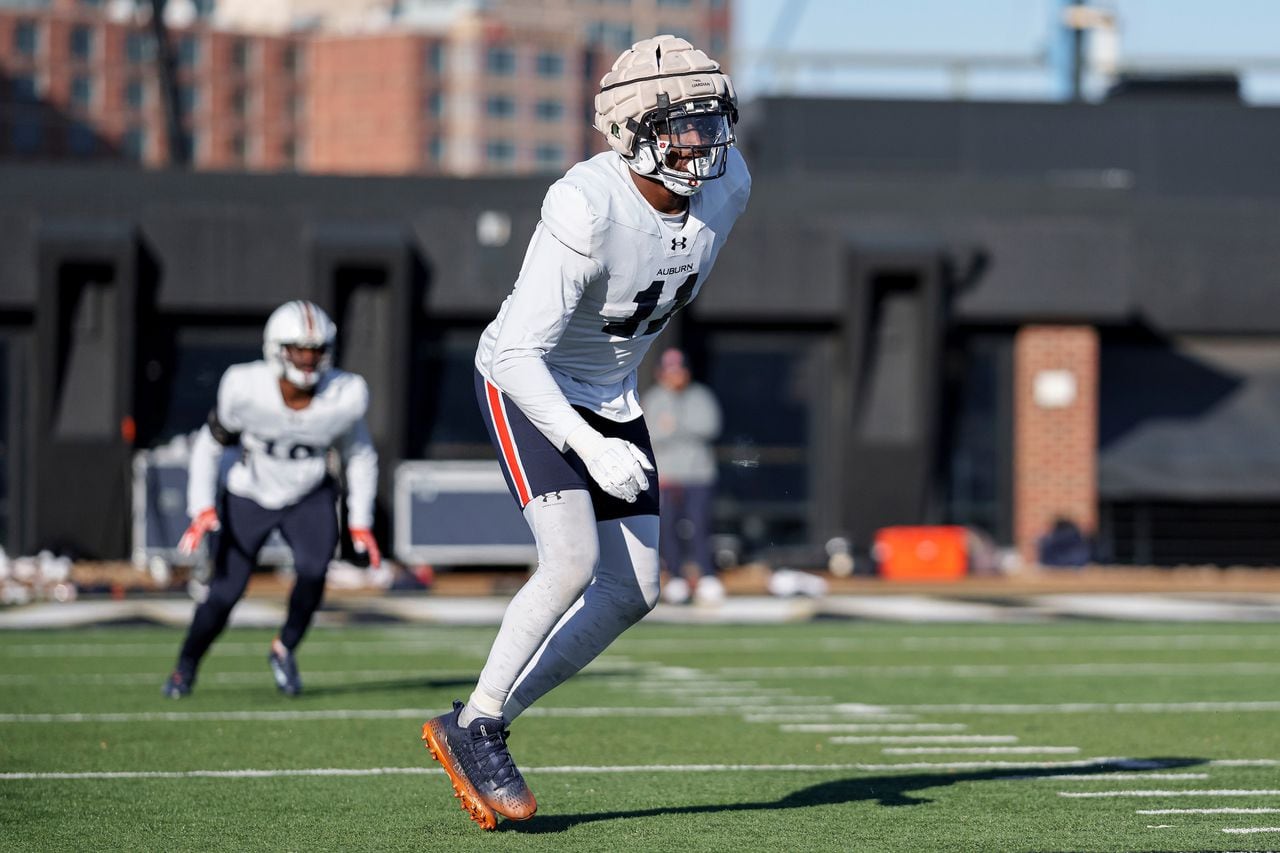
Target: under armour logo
column 679, row 243
column 551, row 496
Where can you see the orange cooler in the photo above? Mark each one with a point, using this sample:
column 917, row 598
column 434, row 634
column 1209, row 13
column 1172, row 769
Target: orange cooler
column 927, row 553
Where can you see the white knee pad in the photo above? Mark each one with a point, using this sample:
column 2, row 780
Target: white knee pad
column 564, row 528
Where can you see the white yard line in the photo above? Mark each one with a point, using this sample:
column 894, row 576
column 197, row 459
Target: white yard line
column 1089, row 708
column 827, row 718
column 565, row 769
column 980, row 750
column 313, row 676
column 1132, row 777
column 1074, row 670
column 873, row 727
column 1251, row 830
column 1151, row 792
column 926, row 739
column 331, row 714
column 1207, row 811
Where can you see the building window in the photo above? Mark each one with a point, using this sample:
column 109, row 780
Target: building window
column 549, row 155
column 435, row 149
column 549, row 109
column 435, row 104
column 610, row 36
column 138, row 47
column 135, row 93
column 550, row 64
column 289, row 152
column 82, row 92
column 499, row 106
column 500, row 152
column 134, row 143
column 81, row 140
column 241, row 54
column 297, row 106
column 188, row 100
column 81, row 43
column 673, row 3
column 188, row 52
column 26, row 135
column 240, row 147
column 501, row 61
column 25, row 89
column 26, row 38
column 240, row 101
column 291, row 60
column 437, row 57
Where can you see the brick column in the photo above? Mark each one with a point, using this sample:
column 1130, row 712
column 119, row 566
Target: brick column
column 1055, row 431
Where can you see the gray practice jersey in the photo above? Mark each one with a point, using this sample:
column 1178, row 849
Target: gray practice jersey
column 284, row 449
column 602, row 276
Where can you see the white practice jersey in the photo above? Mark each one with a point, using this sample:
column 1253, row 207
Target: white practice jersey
column 602, row 276
column 284, row 450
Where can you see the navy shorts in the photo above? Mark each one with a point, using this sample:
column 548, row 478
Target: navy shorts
column 533, row 466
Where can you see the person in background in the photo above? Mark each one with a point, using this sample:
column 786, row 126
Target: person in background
column 284, row 413
column 684, row 420
column 1064, row 546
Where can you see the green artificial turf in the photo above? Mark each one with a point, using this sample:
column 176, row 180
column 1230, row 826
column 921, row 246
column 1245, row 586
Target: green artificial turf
column 668, row 742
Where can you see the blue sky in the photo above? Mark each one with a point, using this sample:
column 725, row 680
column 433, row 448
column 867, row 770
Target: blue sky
column 1020, row 48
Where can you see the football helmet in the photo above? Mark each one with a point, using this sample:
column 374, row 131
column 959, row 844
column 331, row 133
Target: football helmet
column 304, row 325
column 669, row 111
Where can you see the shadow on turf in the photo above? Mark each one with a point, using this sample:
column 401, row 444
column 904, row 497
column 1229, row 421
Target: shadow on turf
column 893, row 790
column 416, row 684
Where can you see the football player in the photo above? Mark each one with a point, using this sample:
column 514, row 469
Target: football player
column 626, row 239
column 284, row 413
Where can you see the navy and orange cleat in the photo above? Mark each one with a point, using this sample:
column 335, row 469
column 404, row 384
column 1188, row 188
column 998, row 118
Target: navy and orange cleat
column 284, row 669
column 179, row 684
column 484, row 776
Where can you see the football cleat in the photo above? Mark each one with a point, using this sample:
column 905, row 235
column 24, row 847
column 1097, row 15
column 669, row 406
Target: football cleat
column 484, row 776
column 178, row 684
column 284, row 668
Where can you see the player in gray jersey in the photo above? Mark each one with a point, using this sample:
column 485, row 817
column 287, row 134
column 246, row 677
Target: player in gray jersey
column 626, row 239
column 284, row 413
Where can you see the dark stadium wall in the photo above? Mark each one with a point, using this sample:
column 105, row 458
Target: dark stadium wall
column 1103, row 216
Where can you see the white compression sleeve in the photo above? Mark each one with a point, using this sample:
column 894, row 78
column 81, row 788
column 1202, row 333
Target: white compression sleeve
column 564, row 528
column 624, row 590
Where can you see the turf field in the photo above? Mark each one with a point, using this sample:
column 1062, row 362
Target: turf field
column 824, row 736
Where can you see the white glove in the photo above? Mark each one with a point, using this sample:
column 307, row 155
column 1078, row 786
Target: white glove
column 617, row 465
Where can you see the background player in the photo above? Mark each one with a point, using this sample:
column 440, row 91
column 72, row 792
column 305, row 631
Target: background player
column 626, row 240
column 285, row 413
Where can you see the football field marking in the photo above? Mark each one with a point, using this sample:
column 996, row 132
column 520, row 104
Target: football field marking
column 1088, row 708
column 980, row 750
column 1151, row 792
column 873, row 727
column 1207, row 811
column 749, row 711
column 563, row 769
column 1253, row 829
column 1088, row 670
column 925, row 739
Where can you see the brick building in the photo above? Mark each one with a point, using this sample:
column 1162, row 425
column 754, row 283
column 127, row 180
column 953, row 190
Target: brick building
column 365, row 87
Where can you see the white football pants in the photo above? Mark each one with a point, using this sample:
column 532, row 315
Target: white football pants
column 594, row 580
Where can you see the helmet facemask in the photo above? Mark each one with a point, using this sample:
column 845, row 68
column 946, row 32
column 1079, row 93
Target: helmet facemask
column 299, row 325
column 302, row 375
column 685, row 145
column 668, row 111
